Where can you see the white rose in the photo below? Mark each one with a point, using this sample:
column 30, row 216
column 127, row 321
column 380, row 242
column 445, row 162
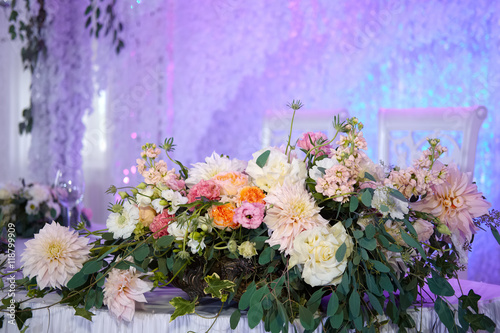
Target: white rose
column 247, row 249
column 39, row 193
column 275, row 170
column 315, row 251
column 144, row 196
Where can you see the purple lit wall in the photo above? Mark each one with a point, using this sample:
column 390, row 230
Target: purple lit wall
column 206, row 72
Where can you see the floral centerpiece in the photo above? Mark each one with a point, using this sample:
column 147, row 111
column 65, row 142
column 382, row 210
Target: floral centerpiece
column 276, row 235
column 29, row 206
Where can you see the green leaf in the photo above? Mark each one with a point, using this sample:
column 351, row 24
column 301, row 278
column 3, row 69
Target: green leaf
column 254, row 315
column 306, row 318
column 340, row 254
column 357, row 234
column 369, row 177
column 439, row 285
column 495, row 233
column 182, row 307
column 122, row 265
column 257, row 295
column 107, row 236
column 84, row 313
column 445, row 314
column 162, row 266
column 77, row 280
column 353, row 204
column 336, row 320
column 413, row 243
column 315, row 300
column 398, row 195
column 369, row 244
column 380, row 266
column 105, row 251
column 384, row 208
column 92, row 267
column 262, row 159
column 366, row 198
column 370, row 231
column 235, row 319
column 90, row 299
column 471, row 300
column 165, row 241
column 410, row 227
column 354, row 303
column 218, row 288
column 141, row 253
column 266, row 256
column 99, row 296
column 244, row 302
column 88, row 9
column 333, row 305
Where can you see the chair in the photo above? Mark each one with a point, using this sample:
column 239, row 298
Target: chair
column 276, row 124
column 402, row 134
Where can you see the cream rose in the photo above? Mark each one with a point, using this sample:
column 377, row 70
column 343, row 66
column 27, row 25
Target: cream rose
column 247, row 249
column 276, row 169
column 314, row 250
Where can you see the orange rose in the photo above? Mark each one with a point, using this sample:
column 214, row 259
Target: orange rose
column 146, row 215
column 252, row 194
column 231, row 182
column 223, row 216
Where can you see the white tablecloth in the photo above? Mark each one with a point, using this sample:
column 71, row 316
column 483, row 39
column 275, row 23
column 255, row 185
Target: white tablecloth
column 155, row 315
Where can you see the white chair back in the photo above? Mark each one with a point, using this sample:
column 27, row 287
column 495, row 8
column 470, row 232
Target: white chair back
column 276, row 124
column 402, row 134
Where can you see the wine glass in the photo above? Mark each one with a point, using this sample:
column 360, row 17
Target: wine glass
column 69, row 187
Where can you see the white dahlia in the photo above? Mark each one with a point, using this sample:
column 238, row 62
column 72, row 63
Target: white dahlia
column 213, row 165
column 54, row 255
column 291, row 210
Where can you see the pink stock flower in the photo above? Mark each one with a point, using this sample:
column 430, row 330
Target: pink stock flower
column 160, row 224
column 122, row 289
column 455, row 202
column 174, row 182
column 205, row 188
column 317, row 138
column 249, row 215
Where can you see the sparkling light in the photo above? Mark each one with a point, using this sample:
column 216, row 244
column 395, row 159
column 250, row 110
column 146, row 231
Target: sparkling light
column 126, row 180
column 125, row 172
column 133, row 135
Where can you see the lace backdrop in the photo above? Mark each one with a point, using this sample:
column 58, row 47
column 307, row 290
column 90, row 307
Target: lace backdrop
column 206, row 72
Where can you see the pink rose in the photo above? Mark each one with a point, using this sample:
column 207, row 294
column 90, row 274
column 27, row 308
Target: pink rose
column 249, row 215
column 424, row 229
column 310, row 140
column 205, row 188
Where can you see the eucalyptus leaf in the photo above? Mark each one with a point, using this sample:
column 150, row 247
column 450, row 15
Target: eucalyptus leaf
column 235, row 319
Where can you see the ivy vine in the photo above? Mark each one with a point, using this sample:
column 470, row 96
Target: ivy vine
column 100, row 15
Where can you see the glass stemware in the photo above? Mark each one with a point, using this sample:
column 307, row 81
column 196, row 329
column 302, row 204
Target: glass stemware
column 69, row 186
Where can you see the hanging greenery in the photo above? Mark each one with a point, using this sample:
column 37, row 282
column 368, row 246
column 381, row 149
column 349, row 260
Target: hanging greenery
column 100, row 15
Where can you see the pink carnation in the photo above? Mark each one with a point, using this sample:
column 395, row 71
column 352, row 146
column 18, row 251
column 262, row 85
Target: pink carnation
column 317, row 139
column 205, row 188
column 160, row 224
column 249, row 215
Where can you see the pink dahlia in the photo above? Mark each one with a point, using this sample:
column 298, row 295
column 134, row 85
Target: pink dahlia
column 455, row 202
column 205, row 188
column 122, row 289
column 54, row 255
column 160, row 224
column 291, row 210
column 249, row 215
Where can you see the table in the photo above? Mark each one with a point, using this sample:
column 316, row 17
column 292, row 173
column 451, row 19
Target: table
column 155, row 315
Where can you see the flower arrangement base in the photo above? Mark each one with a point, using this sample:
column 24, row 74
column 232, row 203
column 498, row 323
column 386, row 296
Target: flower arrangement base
column 192, row 281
